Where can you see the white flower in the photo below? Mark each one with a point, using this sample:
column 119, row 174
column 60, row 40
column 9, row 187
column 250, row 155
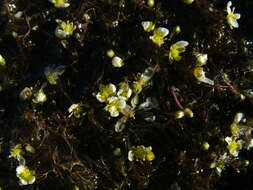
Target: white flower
column 220, row 163
column 124, row 91
column 105, row 91
column 30, row 148
column 115, row 105
column 233, row 146
column 2, row 60
column 40, row 97
column 26, row 93
column 117, row 61
column 86, row 17
column 159, row 35
column 64, row 29
column 201, row 59
column 205, row 145
column 148, row 26
column 53, row 73
column 232, row 17
column 124, row 94
column 76, row 110
column 26, row 176
column 16, row 152
column 143, row 79
column 60, row 3
column 128, row 111
column 141, row 153
column 188, row 112
column 179, row 114
column 176, row 49
column 201, row 76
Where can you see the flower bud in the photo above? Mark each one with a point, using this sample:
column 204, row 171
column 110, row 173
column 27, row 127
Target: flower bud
column 110, row 53
column 117, row 61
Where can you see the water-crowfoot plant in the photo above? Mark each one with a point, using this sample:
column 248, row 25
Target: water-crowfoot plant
column 117, row 61
column 124, row 91
column 143, row 79
column 234, row 146
column 201, row 59
column 231, row 16
column 148, row 26
column 64, row 29
column 241, row 135
column 52, row 73
column 159, row 35
column 30, row 148
column 105, row 92
column 25, row 175
column 17, row 152
column 141, row 153
column 115, row 105
column 200, row 75
column 220, row 163
column 118, row 51
column 76, row 110
column 26, row 93
column 60, row 3
column 39, row 96
column 176, row 49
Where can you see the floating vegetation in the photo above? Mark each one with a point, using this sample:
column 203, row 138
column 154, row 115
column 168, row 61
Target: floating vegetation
column 126, row 94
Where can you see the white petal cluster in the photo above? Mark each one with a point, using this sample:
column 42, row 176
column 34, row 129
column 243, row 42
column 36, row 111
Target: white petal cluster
column 231, row 16
column 53, row 73
column 105, row 91
column 117, row 61
column 115, row 105
column 60, row 3
column 64, row 29
column 241, row 135
column 40, row 97
column 176, row 49
column 159, row 35
column 25, row 175
column 115, row 100
column 76, row 110
column 148, row 26
column 201, row 59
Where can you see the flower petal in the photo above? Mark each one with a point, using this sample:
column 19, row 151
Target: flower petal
column 112, row 87
column 162, row 31
column 237, row 16
column 229, row 4
column 148, row 26
column 233, row 23
column 182, row 43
